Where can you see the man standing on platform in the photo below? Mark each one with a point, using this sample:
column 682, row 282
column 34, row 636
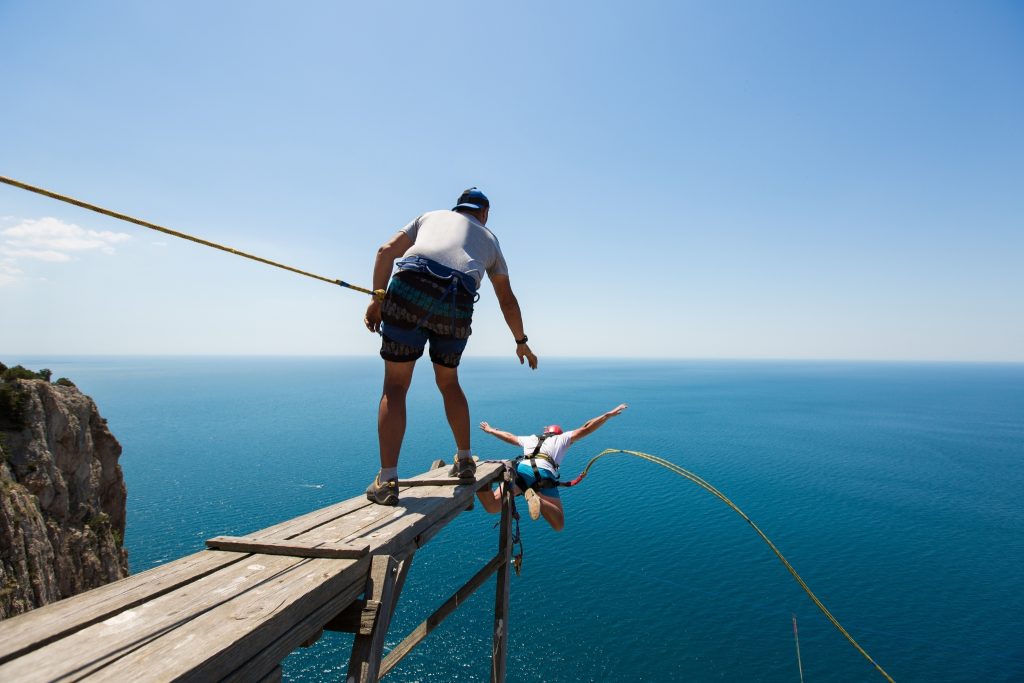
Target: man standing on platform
column 444, row 255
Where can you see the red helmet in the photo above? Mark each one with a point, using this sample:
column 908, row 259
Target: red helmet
column 552, row 429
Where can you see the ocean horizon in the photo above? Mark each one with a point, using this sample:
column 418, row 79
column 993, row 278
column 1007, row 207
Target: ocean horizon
column 893, row 487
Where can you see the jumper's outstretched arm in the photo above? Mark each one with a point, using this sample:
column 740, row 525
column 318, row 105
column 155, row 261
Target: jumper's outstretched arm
column 504, row 436
column 594, row 423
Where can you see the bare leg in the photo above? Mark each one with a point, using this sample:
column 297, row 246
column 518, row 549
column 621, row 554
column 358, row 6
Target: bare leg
column 456, row 407
column 491, row 499
column 391, row 412
column 551, row 509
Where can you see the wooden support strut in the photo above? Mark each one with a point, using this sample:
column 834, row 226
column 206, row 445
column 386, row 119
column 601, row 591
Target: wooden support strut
column 419, row 634
column 383, row 586
column 499, row 653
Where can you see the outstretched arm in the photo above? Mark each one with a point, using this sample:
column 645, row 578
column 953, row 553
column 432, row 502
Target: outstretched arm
column 593, row 423
column 513, row 317
column 504, row 436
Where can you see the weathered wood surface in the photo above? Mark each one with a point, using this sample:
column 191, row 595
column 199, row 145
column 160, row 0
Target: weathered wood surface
column 219, row 615
column 244, row 544
column 367, row 648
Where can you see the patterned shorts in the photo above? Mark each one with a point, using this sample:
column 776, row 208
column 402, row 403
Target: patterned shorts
column 420, row 307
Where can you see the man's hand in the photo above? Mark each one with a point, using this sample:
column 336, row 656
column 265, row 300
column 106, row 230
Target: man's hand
column 617, row 410
column 486, row 427
column 372, row 317
column 525, row 354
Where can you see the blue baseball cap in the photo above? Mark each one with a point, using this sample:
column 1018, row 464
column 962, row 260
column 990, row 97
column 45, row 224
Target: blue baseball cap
column 472, row 198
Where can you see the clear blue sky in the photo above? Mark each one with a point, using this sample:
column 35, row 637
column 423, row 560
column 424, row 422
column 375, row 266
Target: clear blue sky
column 677, row 179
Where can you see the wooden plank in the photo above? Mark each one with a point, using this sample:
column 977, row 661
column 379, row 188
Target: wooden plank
column 295, row 636
column 214, row 611
column 218, row 642
column 434, row 620
column 499, row 652
column 310, row 521
column 367, row 648
column 447, row 481
column 426, row 511
column 156, row 612
column 334, row 551
column 49, row 623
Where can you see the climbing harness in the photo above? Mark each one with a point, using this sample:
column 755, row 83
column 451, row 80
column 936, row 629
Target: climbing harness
column 721, row 496
column 456, row 281
column 538, row 481
column 376, row 293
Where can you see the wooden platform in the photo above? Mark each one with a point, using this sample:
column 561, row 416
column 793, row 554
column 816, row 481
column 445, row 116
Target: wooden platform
column 235, row 613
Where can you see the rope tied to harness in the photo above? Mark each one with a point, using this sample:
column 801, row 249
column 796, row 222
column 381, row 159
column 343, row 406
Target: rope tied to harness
column 377, row 294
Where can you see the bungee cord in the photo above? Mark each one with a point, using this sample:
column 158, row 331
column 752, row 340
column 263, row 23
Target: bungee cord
column 722, row 497
column 378, row 294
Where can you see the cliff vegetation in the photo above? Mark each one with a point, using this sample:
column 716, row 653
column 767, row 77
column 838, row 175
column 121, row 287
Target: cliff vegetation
column 62, row 493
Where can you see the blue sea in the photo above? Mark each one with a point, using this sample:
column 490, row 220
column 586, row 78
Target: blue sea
column 896, row 490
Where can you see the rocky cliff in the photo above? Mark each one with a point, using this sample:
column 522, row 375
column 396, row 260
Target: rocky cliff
column 62, row 495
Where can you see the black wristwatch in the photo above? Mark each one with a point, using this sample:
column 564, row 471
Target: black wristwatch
column 523, row 340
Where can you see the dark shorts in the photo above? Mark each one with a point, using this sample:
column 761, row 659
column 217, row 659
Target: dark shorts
column 525, row 472
column 421, row 307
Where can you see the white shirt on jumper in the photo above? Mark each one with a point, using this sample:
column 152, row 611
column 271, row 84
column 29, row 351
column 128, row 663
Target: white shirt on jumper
column 554, row 447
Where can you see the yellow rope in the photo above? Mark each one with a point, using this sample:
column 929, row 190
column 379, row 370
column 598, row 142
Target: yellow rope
column 718, row 494
column 379, row 293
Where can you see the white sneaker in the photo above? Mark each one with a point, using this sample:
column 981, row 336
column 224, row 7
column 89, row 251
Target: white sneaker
column 533, row 502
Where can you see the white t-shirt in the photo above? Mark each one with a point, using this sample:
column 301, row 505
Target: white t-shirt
column 554, row 447
column 458, row 241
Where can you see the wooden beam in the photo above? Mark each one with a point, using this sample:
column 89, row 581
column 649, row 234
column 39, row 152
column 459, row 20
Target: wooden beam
column 356, row 618
column 499, row 652
column 434, row 620
column 448, row 481
column 364, row 664
column 331, row 551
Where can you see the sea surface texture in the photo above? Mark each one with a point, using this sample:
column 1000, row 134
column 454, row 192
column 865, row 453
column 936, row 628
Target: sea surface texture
column 896, row 490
